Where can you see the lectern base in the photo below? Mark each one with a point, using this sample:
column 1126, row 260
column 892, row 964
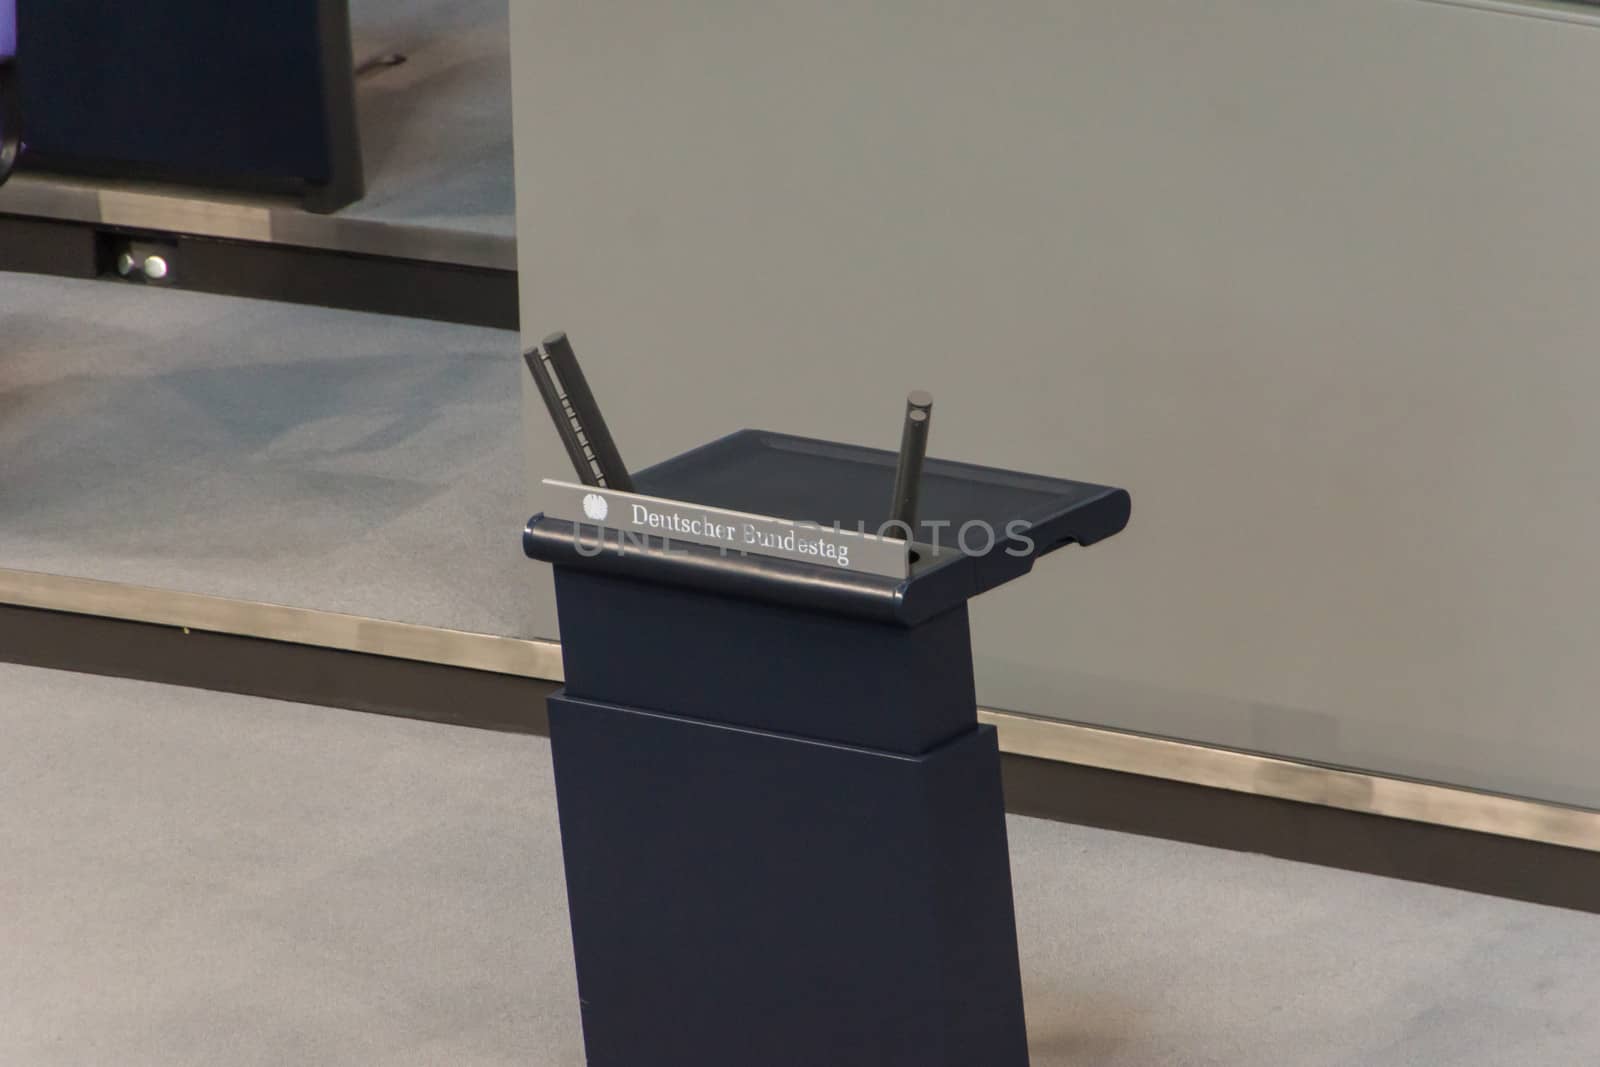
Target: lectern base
column 742, row 898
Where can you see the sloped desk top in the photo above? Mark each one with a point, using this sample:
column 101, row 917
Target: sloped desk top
column 825, row 482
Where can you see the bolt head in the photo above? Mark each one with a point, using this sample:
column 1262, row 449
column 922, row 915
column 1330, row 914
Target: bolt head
column 125, row 264
column 155, row 268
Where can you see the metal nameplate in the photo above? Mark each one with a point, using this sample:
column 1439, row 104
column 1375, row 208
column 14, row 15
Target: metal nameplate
column 732, row 531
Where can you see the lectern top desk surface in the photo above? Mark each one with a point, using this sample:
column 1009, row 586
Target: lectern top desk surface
column 825, row 482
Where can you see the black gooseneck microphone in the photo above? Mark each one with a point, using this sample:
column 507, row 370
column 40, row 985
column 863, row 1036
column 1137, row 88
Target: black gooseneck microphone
column 913, row 450
column 577, row 416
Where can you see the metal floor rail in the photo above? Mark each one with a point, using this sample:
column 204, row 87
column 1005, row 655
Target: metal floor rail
column 1020, row 735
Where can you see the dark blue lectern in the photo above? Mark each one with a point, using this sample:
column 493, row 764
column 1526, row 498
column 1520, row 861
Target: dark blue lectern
column 783, row 827
column 258, row 94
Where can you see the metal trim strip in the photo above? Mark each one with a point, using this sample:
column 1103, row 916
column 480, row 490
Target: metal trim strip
column 276, row 622
column 262, row 220
column 1284, row 779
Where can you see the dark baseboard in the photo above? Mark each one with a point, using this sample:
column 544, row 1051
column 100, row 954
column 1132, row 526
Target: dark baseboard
column 1331, row 837
column 445, row 292
column 413, row 288
column 1310, row 833
column 39, row 246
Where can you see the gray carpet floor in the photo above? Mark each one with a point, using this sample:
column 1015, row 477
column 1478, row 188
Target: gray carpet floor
column 191, row 878
column 271, row 452
column 436, row 130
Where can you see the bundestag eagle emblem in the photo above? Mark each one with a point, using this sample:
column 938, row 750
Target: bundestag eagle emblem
column 595, row 506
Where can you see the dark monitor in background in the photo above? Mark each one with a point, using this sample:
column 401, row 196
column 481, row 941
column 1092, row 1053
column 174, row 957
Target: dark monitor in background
column 244, row 94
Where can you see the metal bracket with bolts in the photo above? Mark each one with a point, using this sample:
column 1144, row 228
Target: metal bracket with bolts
column 147, row 261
